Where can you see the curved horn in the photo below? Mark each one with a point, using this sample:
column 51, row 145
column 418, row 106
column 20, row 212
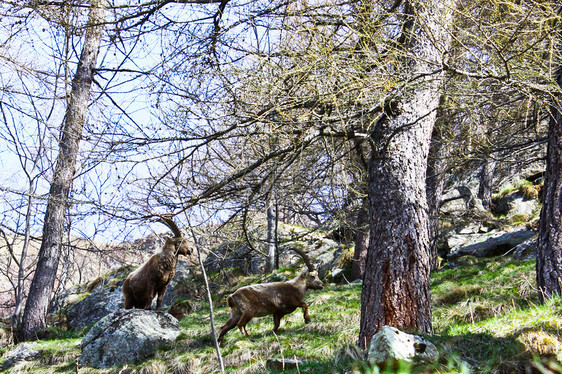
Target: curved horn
column 168, row 221
column 304, row 257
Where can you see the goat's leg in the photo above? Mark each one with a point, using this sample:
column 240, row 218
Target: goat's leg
column 229, row 325
column 148, row 302
column 305, row 312
column 244, row 319
column 127, row 296
column 277, row 321
column 160, row 297
column 127, row 302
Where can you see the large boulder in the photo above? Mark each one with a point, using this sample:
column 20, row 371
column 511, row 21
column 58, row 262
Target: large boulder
column 127, row 336
column 526, row 250
column 391, row 344
column 105, row 297
column 324, row 254
column 459, row 200
column 515, row 205
column 488, row 244
column 176, row 289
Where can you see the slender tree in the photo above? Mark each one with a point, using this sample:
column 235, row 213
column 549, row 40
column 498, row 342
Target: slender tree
column 35, row 312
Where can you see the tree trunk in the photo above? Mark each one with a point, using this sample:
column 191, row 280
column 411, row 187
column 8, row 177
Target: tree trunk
column 435, row 182
column 396, row 283
column 486, row 182
column 35, row 313
column 20, row 289
column 271, row 262
column 361, row 242
column 549, row 251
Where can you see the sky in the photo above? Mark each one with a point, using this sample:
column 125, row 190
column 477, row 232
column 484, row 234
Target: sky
column 34, row 80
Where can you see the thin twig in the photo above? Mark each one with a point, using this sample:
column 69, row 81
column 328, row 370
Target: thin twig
column 209, row 299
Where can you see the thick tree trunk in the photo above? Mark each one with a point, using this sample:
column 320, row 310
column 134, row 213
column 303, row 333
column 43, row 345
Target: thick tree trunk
column 396, row 282
column 35, row 313
column 549, row 252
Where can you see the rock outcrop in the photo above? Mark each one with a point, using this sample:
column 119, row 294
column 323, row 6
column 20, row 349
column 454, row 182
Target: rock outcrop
column 22, row 352
column 105, row 297
column 487, row 244
column 127, row 336
column 102, row 300
column 323, row 252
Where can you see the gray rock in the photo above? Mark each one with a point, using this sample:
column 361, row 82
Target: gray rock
column 173, row 293
column 23, row 352
column 456, row 241
column 103, row 300
column 324, row 254
column 459, row 199
column 514, row 204
column 234, row 255
column 523, row 208
column 492, row 244
column 391, row 344
column 64, row 299
column 337, row 275
column 526, row 250
column 107, row 297
column 127, row 336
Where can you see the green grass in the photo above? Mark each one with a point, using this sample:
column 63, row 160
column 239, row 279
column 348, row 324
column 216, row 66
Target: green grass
column 486, row 317
column 524, row 187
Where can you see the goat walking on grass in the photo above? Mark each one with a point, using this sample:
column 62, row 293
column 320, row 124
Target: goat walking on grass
column 152, row 277
column 278, row 298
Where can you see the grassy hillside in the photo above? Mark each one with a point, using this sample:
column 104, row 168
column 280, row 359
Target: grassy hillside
column 486, row 319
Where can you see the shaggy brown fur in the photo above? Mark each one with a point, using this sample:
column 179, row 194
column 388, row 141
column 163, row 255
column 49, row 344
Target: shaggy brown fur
column 152, row 277
column 279, row 299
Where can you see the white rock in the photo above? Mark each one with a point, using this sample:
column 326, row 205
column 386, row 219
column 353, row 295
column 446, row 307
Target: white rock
column 392, row 344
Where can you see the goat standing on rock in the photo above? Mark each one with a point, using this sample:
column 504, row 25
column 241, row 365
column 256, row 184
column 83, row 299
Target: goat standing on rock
column 152, row 277
column 278, row 298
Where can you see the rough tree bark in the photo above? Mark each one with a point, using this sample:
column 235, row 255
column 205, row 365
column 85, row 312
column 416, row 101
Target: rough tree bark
column 396, row 282
column 35, row 313
column 439, row 152
column 549, row 252
column 361, row 231
column 361, row 242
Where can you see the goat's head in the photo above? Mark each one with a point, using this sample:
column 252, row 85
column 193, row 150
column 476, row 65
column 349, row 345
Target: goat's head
column 178, row 241
column 180, row 244
column 312, row 281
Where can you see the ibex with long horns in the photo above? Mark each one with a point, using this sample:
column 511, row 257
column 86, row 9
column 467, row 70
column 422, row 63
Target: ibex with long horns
column 152, row 277
column 278, row 298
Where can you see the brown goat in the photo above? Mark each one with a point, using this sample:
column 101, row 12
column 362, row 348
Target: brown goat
column 278, row 298
column 152, row 277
